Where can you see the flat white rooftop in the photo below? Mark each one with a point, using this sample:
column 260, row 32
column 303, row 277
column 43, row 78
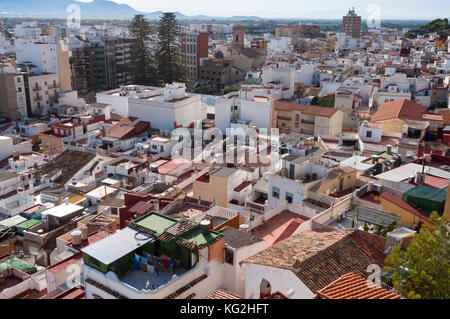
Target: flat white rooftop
column 63, row 210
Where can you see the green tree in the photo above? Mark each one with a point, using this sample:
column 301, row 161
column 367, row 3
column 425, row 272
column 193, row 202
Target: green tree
column 423, row 271
column 168, row 57
column 141, row 67
column 326, row 101
column 205, row 89
column 410, row 35
column 228, row 90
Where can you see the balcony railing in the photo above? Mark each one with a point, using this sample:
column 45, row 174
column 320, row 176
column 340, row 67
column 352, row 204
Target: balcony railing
column 308, row 122
column 257, row 208
column 37, row 88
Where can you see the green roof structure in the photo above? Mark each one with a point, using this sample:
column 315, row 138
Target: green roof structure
column 187, row 233
column 153, row 223
column 195, row 238
column 428, row 198
column 20, row 228
column 19, row 264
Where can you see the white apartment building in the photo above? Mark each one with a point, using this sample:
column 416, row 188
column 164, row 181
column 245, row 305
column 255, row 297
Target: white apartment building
column 280, row 46
column 400, row 87
column 13, row 101
column 253, row 104
column 44, row 90
column 48, row 58
column 168, row 108
column 280, row 74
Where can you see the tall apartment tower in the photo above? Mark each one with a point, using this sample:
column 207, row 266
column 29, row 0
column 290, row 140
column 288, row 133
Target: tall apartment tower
column 194, row 48
column 1, row 27
column 351, row 24
column 238, row 37
column 48, row 58
column 13, row 103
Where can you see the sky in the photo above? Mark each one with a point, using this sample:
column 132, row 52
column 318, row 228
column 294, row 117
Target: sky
column 326, row 9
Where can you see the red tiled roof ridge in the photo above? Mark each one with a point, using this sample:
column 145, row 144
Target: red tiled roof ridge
column 353, row 286
column 223, row 294
column 313, row 253
column 401, row 109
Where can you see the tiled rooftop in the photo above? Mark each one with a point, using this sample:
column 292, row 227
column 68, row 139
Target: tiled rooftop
column 319, row 258
column 223, row 294
column 352, row 286
column 279, row 227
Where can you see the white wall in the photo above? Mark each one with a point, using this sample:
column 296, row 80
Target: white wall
column 285, row 185
column 162, row 115
column 119, row 104
column 281, row 280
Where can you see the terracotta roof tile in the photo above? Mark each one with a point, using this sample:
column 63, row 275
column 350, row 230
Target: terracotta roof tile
column 170, row 166
column 319, row 258
column 242, row 186
column 352, row 286
column 223, row 294
column 402, row 109
column 124, row 129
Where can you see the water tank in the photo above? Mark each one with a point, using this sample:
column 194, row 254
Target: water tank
column 84, row 232
column 205, row 225
column 76, row 237
column 244, row 227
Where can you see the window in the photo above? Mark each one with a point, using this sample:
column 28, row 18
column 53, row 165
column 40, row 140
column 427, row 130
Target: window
column 275, row 192
column 289, row 197
column 369, row 134
column 114, row 211
column 229, row 256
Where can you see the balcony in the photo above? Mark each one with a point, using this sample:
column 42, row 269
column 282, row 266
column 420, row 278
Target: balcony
column 257, row 208
column 38, row 98
column 37, row 88
column 284, row 118
column 308, row 122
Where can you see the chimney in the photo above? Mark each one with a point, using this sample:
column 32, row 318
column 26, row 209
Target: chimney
column 419, row 177
column 375, row 159
column 31, row 187
column 84, row 232
column 66, row 200
column 205, row 225
column 389, row 149
column 156, row 205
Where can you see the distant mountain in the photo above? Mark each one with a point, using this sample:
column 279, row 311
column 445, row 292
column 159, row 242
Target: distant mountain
column 58, row 8
column 95, row 9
